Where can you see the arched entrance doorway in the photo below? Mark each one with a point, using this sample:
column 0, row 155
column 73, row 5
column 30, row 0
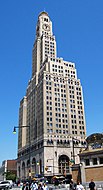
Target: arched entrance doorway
column 63, row 164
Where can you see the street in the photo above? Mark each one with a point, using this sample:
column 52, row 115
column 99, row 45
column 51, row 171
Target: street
column 51, row 187
column 62, row 187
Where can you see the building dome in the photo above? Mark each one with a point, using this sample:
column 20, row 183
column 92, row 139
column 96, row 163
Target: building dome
column 95, row 137
column 43, row 13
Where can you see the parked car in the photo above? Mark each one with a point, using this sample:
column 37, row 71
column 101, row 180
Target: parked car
column 11, row 183
column 5, row 185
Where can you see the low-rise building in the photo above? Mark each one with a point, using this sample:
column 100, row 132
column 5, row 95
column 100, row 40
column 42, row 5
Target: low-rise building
column 91, row 160
column 8, row 166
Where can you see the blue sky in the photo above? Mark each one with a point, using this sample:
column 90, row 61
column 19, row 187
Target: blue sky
column 78, row 27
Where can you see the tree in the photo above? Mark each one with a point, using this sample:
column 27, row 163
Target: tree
column 10, row 175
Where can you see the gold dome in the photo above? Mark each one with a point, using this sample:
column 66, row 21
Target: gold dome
column 43, row 13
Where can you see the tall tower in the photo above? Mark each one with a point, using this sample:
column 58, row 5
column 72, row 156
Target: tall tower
column 53, row 108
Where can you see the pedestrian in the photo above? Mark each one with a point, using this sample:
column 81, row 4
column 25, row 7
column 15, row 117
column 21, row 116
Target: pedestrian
column 56, row 182
column 79, row 186
column 72, row 185
column 34, row 186
column 92, row 185
column 23, row 187
column 40, row 186
column 45, row 187
column 26, row 186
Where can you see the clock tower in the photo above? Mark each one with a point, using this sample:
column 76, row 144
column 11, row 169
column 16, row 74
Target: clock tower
column 45, row 44
column 44, row 24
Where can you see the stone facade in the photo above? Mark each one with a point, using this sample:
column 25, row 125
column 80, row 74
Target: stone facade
column 53, row 108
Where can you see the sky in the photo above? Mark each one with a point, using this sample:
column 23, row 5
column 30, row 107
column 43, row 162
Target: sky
column 78, row 28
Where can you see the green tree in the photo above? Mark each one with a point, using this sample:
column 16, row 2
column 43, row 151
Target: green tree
column 10, row 176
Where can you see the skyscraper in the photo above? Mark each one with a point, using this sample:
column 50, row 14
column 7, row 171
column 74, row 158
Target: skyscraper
column 53, row 110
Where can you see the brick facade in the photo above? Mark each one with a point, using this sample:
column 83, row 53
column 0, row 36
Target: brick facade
column 91, row 159
column 96, row 173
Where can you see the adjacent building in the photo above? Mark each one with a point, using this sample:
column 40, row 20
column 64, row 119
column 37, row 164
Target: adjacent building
column 91, row 160
column 8, row 166
column 52, row 125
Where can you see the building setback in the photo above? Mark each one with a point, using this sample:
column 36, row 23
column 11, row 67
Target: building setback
column 53, row 110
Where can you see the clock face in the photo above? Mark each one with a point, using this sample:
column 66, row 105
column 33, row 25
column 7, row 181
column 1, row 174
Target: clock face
column 46, row 27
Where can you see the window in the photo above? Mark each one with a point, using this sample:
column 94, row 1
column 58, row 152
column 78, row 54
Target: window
column 101, row 160
column 56, row 131
column 87, row 163
column 59, row 131
column 94, row 161
column 50, row 124
column 59, row 125
column 56, row 125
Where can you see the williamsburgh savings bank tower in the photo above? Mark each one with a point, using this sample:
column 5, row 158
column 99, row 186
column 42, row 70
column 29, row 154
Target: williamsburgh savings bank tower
column 51, row 115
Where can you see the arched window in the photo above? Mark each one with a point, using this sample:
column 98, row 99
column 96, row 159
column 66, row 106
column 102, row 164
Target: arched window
column 33, row 167
column 63, row 164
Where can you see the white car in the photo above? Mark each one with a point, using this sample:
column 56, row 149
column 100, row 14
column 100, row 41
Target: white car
column 5, row 185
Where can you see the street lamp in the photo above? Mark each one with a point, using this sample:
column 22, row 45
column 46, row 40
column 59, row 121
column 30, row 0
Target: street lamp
column 73, row 147
column 14, row 132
